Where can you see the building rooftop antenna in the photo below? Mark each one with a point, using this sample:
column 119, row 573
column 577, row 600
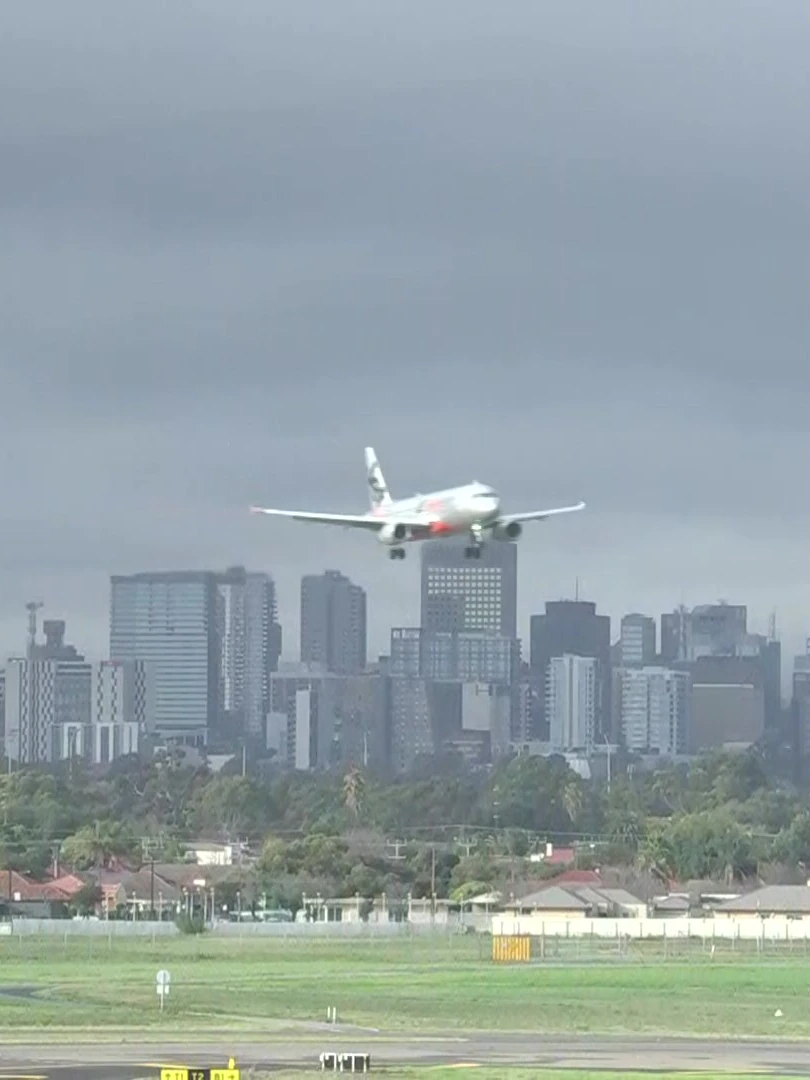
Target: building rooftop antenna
column 32, row 607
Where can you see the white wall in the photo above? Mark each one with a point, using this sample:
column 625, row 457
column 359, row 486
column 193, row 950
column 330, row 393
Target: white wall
column 725, row 928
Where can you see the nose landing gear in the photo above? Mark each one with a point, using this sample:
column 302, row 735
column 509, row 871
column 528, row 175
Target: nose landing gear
column 396, row 553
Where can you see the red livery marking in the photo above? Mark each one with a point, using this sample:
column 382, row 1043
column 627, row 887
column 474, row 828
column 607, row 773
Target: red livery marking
column 439, row 527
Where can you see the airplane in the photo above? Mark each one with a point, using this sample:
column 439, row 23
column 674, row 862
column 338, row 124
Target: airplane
column 474, row 509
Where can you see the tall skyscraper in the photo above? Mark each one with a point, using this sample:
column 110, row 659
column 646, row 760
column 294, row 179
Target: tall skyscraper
column 571, row 702
column 333, row 623
column 170, row 621
column 573, row 627
column 637, row 641
column 461, row 595
column 250, row 648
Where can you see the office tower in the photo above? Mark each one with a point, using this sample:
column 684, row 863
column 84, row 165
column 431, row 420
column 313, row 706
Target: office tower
column 572, row 627
column 250, row 647
column 451, row 657
column 333, row 623
column 706, row 630
column 571, row 702
column 655, row 710
column 462, row 595
column 720, row 630
column 169, row 620
column 728, row 702
column 637, row 641
column 325, row 720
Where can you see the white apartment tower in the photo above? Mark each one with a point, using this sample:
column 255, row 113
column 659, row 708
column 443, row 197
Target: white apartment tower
column 655, row 710
column 571, row 702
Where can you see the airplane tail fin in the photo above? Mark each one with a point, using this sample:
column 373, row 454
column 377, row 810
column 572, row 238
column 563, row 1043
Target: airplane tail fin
column 378, row 491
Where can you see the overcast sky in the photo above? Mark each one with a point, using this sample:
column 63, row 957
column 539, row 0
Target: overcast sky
column 563, row 248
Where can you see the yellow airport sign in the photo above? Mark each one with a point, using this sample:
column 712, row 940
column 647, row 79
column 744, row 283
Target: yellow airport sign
column 179, row 1073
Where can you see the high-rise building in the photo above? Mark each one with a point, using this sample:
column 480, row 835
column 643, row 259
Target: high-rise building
column 333, row 623
column 48, row 709
column 572, row 627
column 715, row 631
column 170, row 621
column 325, row 720
column 706, row 630
column 728, row 702
column 448, row 656
column 655, row 710
column 637, row 641
column 250, row 638
column 121, row 708
column 462, row 595
column 571, row 702
column 800, row 710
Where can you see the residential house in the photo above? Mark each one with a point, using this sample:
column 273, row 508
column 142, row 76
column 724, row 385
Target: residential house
column 785, row 901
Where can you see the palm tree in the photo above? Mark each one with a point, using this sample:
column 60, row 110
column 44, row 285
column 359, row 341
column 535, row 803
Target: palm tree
column 572, row 799
column 354, row 787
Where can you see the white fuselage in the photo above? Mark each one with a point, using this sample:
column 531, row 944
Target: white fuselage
column 454, row 510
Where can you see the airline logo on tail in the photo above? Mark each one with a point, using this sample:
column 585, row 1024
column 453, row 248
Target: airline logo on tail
column 378, row 489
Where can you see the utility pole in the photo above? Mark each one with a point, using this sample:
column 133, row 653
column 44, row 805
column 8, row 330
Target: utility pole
column 396, row 845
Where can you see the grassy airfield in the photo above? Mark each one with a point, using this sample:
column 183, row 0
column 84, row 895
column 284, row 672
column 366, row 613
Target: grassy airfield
column 93, row 985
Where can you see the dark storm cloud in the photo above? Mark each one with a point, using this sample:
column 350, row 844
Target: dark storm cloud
column 559, row 247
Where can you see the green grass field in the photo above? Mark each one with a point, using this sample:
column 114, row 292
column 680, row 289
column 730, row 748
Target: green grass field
column 258, row 986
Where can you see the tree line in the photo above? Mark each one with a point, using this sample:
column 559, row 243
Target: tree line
column 450, row 832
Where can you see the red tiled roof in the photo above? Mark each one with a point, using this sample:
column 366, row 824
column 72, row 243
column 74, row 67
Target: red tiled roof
column 26, row 889
column 68, row 883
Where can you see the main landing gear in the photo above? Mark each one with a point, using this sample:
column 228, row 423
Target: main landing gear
column 396, row 553
column 473, row 550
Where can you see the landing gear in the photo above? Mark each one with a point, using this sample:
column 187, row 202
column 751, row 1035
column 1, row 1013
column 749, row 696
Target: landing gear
column 396, row 553
column 473, row 551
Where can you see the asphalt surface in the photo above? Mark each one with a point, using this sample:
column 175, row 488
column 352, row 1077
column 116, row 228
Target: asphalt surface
column 142, row 1058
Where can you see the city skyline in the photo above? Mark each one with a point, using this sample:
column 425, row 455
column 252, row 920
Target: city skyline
column 201, row 648
column 289, row 611
column 557, row 250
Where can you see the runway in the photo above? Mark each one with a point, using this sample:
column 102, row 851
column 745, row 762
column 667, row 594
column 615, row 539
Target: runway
column 141, row 1058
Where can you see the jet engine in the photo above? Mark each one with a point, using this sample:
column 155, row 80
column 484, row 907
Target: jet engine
column 393, row 533
column 511, row 531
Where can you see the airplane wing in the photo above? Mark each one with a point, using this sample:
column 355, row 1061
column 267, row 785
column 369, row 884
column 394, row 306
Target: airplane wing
column 348, row 521
column 539, row 515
